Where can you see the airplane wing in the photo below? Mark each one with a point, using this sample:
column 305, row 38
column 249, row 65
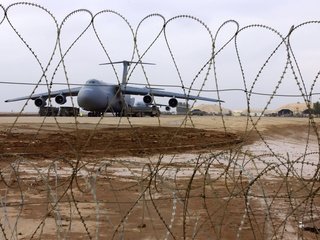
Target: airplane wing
column 66, row 92
column 158, row 93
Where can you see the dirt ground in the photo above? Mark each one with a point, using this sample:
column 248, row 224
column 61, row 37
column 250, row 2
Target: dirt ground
column 154, row 178
column 115, row 142
column 45, row 138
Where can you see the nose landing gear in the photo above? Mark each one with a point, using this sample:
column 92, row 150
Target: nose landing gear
column 95, row 114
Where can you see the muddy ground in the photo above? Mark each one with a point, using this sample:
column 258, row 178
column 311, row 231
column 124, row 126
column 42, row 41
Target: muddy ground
column 154, row 179
column 115, row 142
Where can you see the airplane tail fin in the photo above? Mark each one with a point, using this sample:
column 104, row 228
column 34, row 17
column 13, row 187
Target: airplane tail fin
column 126, row 64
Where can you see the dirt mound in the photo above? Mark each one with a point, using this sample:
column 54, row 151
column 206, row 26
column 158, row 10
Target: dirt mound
column 135, row 141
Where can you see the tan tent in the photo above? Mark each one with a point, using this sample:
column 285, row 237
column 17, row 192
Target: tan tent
column 295, row 108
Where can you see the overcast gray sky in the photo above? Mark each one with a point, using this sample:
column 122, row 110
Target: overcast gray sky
column 189, row 41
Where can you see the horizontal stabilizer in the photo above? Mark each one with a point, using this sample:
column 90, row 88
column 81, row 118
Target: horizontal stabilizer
column 127, row 63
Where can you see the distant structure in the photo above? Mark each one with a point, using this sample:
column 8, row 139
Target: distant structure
column 253, row 112
column 294, row 109
column 182, row 108
column 213, row 109
column 288, row 110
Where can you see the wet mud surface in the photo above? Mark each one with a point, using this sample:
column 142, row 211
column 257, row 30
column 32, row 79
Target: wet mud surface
column 115, row 142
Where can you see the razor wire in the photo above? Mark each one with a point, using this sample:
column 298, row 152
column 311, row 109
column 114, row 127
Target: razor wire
column 230, row 193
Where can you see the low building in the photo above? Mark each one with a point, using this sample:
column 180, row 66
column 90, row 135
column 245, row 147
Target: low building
column 213, row 109
column 252, row 112
column 294, row 109
column 182, row 108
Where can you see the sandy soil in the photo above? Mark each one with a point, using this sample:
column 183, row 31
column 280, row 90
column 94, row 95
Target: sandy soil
column 158, row 178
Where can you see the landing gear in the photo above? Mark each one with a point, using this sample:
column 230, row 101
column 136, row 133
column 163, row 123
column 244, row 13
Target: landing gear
column 95, row 114
column 122, row 113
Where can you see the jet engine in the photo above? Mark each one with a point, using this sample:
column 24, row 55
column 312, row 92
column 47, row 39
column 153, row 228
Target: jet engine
column 60, row 99
column 168, row 108
column 173, row 102
column 147, row 99
column 40, row 102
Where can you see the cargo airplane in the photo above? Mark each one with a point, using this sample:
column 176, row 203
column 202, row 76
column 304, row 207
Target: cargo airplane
column 99, row 97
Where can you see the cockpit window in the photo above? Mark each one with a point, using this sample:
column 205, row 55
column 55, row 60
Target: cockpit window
column 92, row 81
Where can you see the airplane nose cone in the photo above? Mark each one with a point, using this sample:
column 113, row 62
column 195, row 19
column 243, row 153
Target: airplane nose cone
column 91, row 100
